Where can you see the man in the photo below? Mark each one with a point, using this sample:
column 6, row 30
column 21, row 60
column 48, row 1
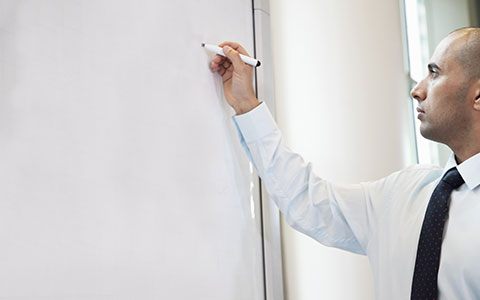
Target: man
column 419, row 227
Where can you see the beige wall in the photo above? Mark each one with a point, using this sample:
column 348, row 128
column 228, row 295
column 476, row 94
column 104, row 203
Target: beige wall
column 342, row 102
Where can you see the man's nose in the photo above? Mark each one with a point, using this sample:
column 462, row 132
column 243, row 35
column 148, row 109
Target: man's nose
column 419, row 93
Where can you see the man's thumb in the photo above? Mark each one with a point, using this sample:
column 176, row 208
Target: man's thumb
column 234, row 56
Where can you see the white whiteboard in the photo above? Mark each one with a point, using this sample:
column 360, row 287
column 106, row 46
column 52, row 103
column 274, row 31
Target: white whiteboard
column 121, row 174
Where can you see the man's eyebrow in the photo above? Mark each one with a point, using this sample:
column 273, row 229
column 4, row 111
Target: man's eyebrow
column 433, row 66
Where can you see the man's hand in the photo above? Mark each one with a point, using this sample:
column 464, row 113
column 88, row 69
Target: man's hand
column 237, row 77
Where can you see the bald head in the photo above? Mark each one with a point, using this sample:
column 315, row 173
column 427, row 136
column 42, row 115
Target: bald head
column 468, row 54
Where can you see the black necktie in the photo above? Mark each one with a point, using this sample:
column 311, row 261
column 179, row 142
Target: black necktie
column 424, row 285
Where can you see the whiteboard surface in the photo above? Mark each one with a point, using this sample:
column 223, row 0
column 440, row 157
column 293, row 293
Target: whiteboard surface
column 121, row 174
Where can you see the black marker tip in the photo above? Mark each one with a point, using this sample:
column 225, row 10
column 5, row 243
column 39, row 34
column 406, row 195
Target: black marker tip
column 203, row 44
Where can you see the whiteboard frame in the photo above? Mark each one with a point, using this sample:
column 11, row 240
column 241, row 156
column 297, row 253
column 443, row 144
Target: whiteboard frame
column 264, row 86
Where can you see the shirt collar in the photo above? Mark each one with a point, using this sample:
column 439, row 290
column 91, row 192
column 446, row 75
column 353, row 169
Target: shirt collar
column 469, row 169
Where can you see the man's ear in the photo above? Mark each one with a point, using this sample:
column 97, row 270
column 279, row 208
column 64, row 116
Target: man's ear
column 476, row 100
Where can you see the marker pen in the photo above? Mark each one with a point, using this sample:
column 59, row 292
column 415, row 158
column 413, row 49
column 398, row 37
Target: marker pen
column 248, row 60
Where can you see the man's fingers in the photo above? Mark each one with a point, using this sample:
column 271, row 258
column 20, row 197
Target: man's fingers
column 215, row 67
column 222, row 72
column 231, row 44
column 226, row 64
column 232, row 51
column 218, row 59
column 221, row 68
column 221, row 61
column 234, row 57
column 234, row 46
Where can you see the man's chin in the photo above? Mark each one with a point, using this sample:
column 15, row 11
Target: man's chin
column 428, row 133
column 424, row 131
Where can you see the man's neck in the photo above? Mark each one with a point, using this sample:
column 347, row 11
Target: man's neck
column 461, row 156
column 466, row 144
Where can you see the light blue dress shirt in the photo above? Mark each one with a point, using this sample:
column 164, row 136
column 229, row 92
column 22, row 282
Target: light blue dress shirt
column 381, row 219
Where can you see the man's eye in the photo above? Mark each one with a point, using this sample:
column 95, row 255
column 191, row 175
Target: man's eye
column 433, row 73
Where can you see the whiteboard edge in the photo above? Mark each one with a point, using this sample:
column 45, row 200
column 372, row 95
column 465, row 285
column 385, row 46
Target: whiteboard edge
column 271, row 215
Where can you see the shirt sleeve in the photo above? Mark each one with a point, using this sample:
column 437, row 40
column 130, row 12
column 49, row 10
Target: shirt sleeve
column 335, row 215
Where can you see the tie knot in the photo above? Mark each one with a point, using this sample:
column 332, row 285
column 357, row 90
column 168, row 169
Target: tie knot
column 453, row 178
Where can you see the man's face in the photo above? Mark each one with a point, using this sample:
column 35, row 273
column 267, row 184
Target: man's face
column 442, row 95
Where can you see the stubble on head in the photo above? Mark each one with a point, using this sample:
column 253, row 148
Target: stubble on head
column 468, row 56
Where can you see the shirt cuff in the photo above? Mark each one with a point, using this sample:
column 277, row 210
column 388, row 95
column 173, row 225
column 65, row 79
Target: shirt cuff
column 256, row 123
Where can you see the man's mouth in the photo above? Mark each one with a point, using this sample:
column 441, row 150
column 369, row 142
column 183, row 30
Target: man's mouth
column 421, row 113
